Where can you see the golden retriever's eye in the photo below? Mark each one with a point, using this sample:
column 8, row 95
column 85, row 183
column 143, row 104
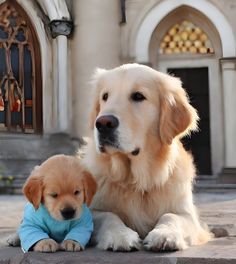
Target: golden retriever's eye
column 54, row 195
column 76, row 192
column 137, row 97
column 105, row 97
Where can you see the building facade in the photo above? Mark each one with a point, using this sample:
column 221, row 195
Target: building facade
column 50, row 49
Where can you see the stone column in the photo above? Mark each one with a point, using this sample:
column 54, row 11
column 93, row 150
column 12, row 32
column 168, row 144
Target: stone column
column 95, row 43
column 61, row 29
column 229, row 95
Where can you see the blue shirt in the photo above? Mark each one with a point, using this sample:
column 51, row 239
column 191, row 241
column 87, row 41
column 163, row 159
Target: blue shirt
column 39, row 224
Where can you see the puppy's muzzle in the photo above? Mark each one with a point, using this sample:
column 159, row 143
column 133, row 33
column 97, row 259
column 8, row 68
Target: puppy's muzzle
column 68, row 213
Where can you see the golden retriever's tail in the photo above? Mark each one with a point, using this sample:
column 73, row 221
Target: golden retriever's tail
column 204, row 235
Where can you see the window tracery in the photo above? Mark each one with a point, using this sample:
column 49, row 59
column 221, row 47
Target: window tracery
column 17, row 71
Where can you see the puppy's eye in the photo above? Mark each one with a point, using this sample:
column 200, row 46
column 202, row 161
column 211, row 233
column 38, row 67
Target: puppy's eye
column 76, row 192
column 54, row 195
column 105, row 97
column 137, row 97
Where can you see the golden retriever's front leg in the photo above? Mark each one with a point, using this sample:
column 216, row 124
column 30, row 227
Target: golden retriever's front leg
column 173, row 232
column 110, row 233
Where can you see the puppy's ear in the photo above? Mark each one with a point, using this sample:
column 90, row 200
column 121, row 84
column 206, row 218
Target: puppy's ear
column 33, row 188
column 90, row 187
column 95, row 96
column 177, row 116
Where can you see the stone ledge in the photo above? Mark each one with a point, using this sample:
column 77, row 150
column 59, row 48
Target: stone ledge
column 218, row 251
column 216, row 209
column 220, row 217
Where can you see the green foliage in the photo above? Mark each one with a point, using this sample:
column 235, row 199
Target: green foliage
column 5, row 181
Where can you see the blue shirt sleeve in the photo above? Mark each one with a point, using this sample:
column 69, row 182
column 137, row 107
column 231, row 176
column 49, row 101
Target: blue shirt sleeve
column 81, row 230
column 30, row 230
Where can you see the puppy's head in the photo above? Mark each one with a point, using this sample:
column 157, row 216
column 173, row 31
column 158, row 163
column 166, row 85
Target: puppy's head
column 62, row 186
column 135, row 104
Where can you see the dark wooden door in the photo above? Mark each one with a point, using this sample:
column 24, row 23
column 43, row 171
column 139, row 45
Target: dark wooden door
column 195, row 82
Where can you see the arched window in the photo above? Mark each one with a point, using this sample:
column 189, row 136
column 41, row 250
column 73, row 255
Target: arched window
column 20, row 72
column 186, row 37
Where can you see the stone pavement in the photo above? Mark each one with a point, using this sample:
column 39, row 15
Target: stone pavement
column 216, row 209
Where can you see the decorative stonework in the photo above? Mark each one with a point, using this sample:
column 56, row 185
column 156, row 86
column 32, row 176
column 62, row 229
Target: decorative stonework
column 61, row 27
column 186, row 37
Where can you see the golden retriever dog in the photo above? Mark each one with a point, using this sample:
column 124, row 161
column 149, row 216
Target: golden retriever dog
column 57, row 217
column 143, row 172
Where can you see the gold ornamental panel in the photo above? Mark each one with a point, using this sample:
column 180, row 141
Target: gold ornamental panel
column 186, row 37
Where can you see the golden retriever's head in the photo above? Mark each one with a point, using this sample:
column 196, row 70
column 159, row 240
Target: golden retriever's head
column 134, row 103
column 61, row 185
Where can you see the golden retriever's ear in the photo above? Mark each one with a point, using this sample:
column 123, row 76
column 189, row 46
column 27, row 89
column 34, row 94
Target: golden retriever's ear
column 90, row 187
column 33, row 188
column 177, row 116
column 95, row 96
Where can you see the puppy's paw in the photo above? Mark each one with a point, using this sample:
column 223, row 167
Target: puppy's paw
column 13, row 240
column 46, row 245
column 71, row 245
column 162, row 239
column 123, row 240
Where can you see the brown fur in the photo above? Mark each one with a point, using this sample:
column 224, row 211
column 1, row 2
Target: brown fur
column 62, row 175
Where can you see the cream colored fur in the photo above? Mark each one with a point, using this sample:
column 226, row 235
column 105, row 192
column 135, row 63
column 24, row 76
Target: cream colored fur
column 144, row 200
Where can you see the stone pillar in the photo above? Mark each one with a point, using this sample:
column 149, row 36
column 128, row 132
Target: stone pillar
column 95, row 43
column 61, row 29
column 229, row 94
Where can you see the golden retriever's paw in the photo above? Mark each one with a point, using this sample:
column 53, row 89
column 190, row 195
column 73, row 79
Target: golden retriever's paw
column 123, row 240
column 164, row 240
column 46, row 245
column 71, row 245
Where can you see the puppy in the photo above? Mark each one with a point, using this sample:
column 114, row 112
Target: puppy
column 57, row 216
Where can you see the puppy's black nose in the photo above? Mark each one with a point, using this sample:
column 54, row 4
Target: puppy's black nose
column 68, row 213
column 107, row 123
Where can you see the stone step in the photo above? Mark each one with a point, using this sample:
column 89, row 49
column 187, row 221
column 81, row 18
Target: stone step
column 19, row 154
column 218, row 251
column 218, row 210
column 213, row 186
column 36, row 147
column 212, row 183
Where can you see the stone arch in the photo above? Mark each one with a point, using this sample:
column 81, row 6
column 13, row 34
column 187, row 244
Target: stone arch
column 32, row 10
column 177, row 16
column 164, row 62
column 53, row 10
column 151, row 19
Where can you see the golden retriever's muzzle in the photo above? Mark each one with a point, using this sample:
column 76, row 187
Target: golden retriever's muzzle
column 107, row 131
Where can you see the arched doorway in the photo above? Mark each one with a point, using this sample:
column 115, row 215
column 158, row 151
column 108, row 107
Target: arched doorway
column 186, row 44
column 20, row 72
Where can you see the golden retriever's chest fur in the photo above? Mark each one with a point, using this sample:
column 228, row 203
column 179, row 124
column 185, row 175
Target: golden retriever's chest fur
column 120, row 183
column 140, row 211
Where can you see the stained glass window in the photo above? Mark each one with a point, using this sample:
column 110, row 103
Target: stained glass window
column 186, row 37
column 18, row 82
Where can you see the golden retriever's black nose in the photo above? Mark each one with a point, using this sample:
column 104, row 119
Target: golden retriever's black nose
column 68, row 213
column 107, row 123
